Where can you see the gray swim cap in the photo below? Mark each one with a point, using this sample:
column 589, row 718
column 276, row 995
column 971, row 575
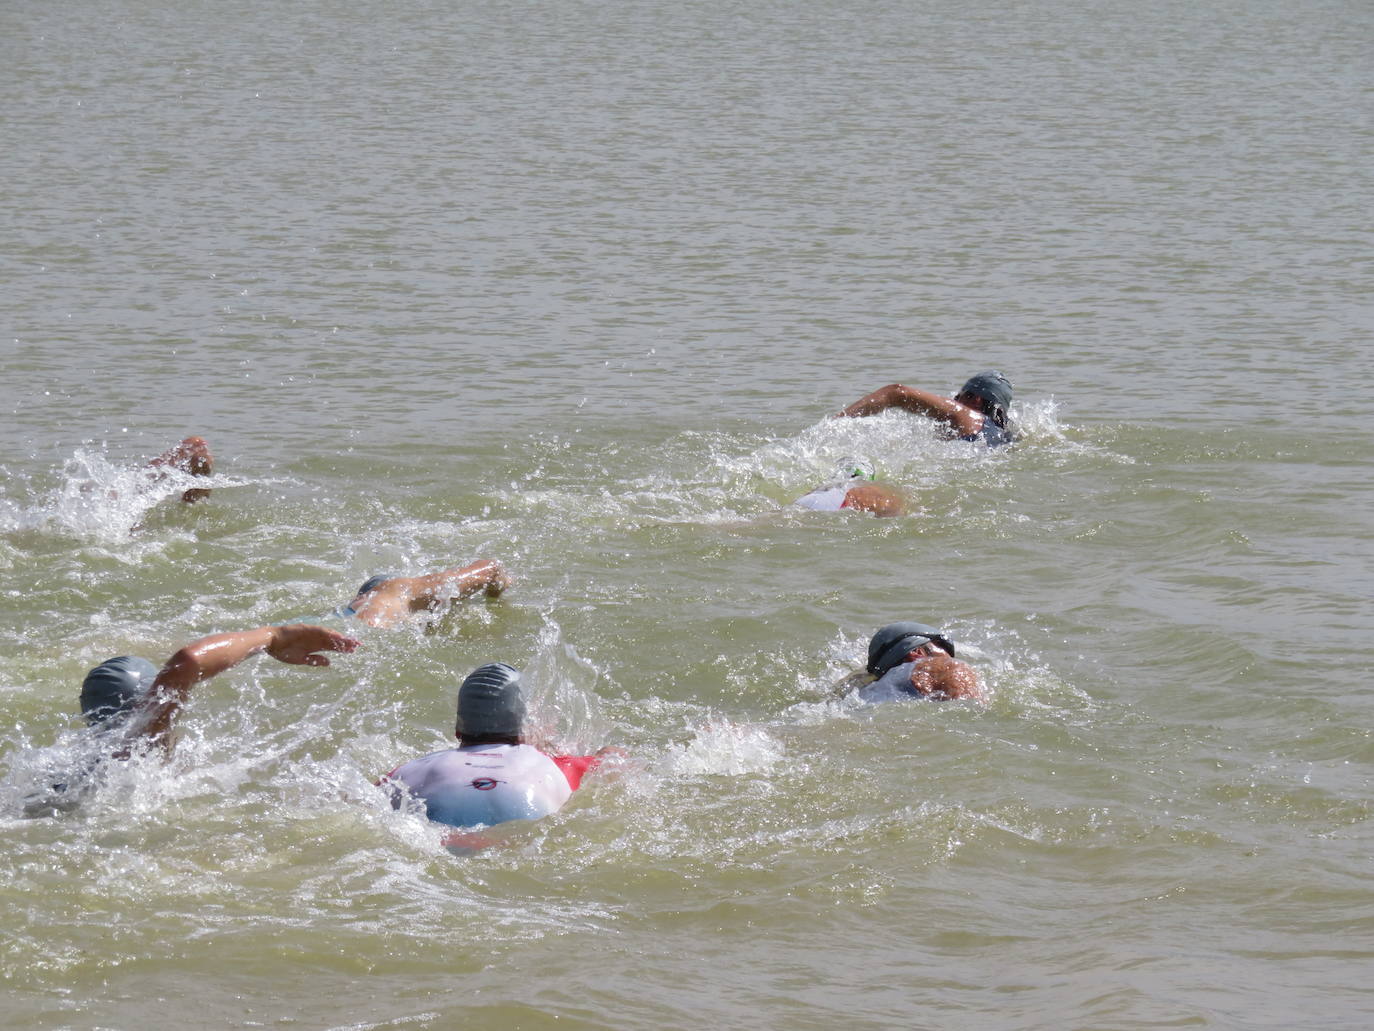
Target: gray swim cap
column 990, row 386
column 892, row 643
column 490, row 703
column 113, row 687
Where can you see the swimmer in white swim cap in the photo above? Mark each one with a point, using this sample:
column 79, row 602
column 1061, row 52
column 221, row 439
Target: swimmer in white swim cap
column 854, row 489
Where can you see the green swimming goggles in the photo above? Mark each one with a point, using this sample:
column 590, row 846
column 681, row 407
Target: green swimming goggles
column 858, row 469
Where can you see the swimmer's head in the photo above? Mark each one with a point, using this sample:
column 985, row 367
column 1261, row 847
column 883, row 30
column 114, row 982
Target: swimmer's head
column 490, row 703
column 893, row 643
column 113, row 688
column 373, row 582
column 990, row 393
column 852, row 468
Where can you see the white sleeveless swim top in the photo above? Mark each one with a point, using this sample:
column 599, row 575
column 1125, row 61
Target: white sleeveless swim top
column 824, row 499
column 481, row 785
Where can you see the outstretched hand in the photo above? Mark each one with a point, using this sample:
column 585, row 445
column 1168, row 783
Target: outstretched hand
column 300, row 644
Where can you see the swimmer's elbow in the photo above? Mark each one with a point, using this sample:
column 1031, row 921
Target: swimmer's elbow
column 183, row 663
column 186, row 667
column 878, row 401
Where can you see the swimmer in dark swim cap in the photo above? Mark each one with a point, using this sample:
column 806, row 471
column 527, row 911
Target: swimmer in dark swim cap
column 135, row 696
column 385, row 600
column 854, row 489
column 128, row 701
column 978, row 412
column 913, row 660
column 493, row 776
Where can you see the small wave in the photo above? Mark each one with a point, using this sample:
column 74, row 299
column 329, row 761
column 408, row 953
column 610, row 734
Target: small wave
column 724, row 749
column 1037, row 421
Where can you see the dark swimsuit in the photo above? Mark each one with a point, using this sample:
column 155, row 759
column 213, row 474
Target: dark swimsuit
column 893, row 685
column 991, row 434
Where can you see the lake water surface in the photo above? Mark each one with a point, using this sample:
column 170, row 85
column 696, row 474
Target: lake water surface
column 575, row 286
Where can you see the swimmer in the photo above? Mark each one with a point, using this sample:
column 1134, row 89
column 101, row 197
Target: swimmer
column 978, row 412
column 912, row 660
column 141, row 701
column 385, row 600
column 855, row 490
column 493, row 776
column 128, row 702
column 191, row 456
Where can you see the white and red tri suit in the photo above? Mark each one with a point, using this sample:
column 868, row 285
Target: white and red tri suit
column 482, row 785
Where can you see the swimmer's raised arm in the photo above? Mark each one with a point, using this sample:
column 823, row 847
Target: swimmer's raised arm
column 297, row 644
column 964, row 419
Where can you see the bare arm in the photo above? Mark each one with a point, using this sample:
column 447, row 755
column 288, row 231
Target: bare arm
column 297, row 644
column 451, row 584
column 876, row 498
column 394, row 599
column 919, row 402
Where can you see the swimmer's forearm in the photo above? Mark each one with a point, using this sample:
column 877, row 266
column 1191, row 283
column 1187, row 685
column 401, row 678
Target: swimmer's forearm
column 870, row 404
column 919, row 402
column 210, row 656
column 191, row 664
column 297, row 644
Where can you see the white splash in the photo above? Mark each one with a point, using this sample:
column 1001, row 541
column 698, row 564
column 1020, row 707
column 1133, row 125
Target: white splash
column 724, row 749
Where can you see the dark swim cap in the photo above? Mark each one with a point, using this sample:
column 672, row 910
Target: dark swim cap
column 373, row 582
column 113, row 687
column 490, row 703
column 892, row 643
column 991, row 387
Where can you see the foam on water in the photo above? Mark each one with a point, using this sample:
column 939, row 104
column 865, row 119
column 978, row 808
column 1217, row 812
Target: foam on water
column 723, row 749
column 100, row 500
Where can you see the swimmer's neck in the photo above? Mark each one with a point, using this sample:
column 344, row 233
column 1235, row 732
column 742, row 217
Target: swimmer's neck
column 468, row 740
